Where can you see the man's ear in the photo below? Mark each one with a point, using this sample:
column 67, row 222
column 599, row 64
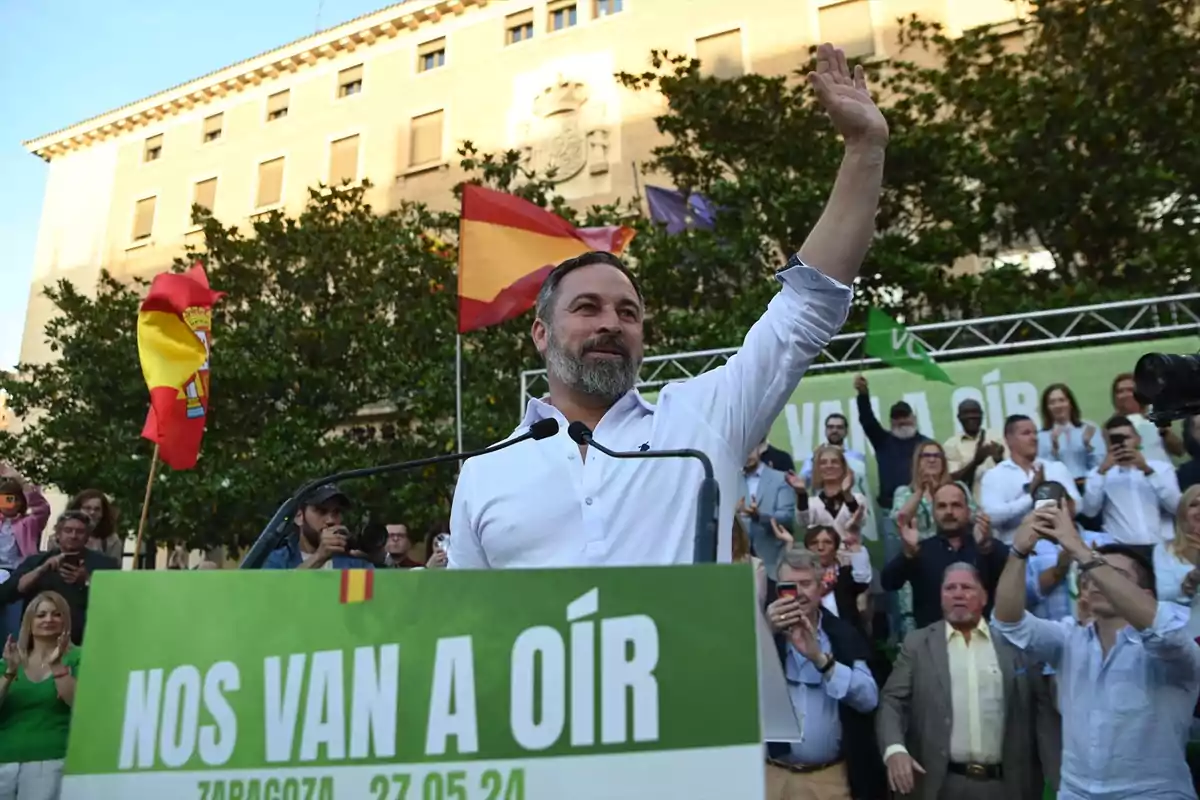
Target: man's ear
column 540, row 334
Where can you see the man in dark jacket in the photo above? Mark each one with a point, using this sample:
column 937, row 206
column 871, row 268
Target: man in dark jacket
column 832, row 689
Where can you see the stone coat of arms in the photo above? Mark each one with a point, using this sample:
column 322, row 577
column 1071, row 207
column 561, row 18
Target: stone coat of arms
column 556, row 137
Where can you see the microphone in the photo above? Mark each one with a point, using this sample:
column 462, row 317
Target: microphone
column 276, row 530
column 708, row 496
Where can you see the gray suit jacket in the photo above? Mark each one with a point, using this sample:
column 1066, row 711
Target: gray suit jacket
column 775, row 500
column 915, row 711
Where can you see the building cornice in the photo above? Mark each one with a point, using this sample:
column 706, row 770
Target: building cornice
column 360, row 32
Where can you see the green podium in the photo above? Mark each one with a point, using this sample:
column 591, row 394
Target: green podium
column 589, row 684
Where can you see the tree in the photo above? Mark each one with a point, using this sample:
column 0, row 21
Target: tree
column 1084, row 134
column 337, row 310
column 1050, row 144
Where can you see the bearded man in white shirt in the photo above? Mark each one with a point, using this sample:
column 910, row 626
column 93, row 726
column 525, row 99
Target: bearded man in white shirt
column 553, row 503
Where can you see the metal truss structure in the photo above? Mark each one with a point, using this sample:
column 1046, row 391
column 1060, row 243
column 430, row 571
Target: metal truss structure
column 1128, row 320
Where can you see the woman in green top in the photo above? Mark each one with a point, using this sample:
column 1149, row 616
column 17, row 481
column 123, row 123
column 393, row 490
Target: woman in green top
column 36, row 693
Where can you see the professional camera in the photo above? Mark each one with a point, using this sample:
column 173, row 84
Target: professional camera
column 1169, row 383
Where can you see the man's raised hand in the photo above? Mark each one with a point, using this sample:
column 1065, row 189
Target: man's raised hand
column 844, row 96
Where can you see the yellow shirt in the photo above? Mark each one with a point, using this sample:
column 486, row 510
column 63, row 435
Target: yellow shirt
column 960, row 450
column 976, row 697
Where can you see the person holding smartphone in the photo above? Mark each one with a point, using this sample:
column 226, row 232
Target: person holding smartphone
column 67, row 570
column 1138, row 496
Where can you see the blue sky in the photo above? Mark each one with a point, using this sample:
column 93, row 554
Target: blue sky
column 62, row 61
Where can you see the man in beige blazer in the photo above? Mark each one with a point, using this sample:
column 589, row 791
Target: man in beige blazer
column 957, row 718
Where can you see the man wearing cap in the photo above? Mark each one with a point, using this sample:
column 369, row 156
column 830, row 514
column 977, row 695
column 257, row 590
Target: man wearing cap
column 320, row 539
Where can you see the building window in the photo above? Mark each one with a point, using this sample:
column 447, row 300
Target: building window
column 562, row 15
column 721, row 54
column 277, row 105
column 153, row 149
column 343, row 161
column 143, row 218
column 606, row 7
column 431, row 55
column 204, row 194
column 849, row 24
column 270, row 183
column 518, row 27
column 212, row 127
column 425, row 139
column 350, row 81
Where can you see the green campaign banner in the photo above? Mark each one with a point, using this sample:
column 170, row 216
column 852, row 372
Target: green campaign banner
column 427, row 685
column 1003, row 385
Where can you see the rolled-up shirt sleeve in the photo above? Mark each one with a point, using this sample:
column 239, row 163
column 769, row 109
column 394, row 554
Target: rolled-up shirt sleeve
column 1167, row 638
column 742, row 398
column 1042, row 639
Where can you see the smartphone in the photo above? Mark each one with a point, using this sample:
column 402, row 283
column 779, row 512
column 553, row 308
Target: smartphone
column 1117, row 439
column 440, row 541
column 75, row 560
column 1048, row 495
column 786, row 590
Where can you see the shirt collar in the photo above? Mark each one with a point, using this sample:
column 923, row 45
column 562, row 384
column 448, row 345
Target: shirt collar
column 980, row 628
column 539, row 409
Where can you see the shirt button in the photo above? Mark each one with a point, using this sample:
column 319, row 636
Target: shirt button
column 588, row 501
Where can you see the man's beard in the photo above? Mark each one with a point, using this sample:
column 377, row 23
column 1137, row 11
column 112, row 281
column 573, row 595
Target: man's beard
column 605, row 379
column 953, row 533
column 904, row 431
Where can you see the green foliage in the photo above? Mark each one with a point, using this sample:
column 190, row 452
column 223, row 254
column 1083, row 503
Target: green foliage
column 1081, row 143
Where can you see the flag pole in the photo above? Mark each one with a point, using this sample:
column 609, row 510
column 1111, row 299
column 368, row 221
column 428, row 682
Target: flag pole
column 137, row 547
column 458, row 417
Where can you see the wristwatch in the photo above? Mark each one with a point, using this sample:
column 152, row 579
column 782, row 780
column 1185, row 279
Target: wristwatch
column 829, row 662
column 1016, row 551
column 1096, row 561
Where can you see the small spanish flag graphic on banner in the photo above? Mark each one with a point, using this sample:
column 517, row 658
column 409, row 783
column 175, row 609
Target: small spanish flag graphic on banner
column 358, row 585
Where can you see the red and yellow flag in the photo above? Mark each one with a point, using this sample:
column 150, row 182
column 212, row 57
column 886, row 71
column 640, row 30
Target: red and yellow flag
column 358, row 586
column 506, row 248
column 174, row 330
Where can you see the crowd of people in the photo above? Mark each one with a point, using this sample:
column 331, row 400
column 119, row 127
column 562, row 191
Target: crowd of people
column 1040, row 584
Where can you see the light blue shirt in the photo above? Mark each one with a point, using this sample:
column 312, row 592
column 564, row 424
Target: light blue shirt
column 1060, row 602
column 1072, row 450
column 1125, row 718
column 815, row 698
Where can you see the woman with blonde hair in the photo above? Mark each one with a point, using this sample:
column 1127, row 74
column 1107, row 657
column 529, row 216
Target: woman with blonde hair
column 36, row 694
column 834, row 503
column 1177, row 562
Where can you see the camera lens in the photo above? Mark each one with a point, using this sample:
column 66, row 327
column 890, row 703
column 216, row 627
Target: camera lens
column 1168, row 381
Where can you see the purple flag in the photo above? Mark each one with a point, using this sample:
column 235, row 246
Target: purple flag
column 679, row 213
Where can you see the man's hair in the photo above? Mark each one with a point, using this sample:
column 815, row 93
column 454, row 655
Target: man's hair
column 966, row 493
column 1117, row 421
column 549, row 291
column 798, row 558
column 1142, row 566
column 77, row 516
column 1011, row 421
column 838, row 415
column 962, row 566
column 970, row 402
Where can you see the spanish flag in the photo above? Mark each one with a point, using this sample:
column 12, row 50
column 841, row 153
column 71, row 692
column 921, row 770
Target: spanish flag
column 174, row 330
column 506, row 248
column 358, row 586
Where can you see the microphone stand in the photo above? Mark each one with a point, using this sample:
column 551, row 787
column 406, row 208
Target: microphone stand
column 708, row 496
column 276, row 530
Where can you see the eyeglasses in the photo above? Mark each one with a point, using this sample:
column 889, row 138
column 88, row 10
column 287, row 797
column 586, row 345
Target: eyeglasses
column 931, row 455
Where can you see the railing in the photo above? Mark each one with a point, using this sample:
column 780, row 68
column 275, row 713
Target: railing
column 1143, row 318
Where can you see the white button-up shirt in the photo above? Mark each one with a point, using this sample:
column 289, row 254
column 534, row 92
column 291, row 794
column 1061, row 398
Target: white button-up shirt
column 539, row 504
column 1004, row 495
column 1138, row 508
